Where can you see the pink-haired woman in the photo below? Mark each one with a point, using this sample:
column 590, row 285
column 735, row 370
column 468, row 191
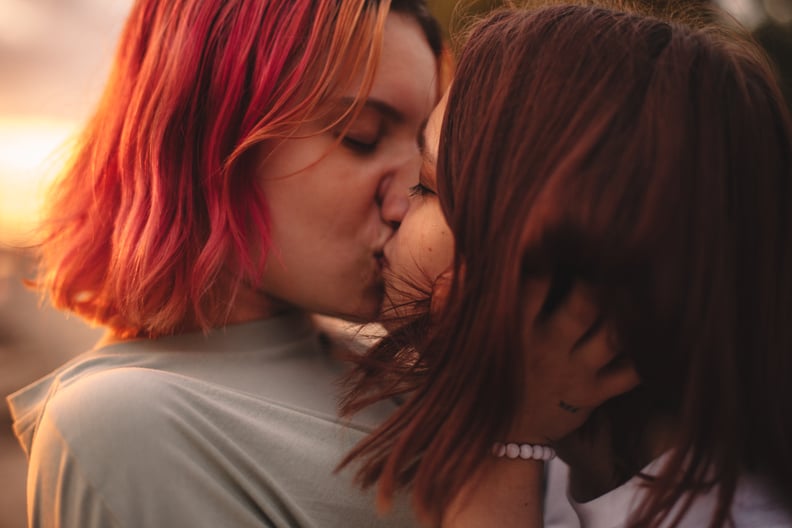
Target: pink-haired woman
column 245, row 167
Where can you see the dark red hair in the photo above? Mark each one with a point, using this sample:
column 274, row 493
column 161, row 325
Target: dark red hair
column 157, row 219
column 651, row 160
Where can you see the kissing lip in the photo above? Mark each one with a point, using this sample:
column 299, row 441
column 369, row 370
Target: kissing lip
column 379, row 256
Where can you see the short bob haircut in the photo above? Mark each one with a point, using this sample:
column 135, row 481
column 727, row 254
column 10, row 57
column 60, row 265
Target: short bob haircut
column 651, row 160
column 156, row 220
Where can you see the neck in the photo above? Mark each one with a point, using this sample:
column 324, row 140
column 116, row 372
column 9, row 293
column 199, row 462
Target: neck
column 250, row 305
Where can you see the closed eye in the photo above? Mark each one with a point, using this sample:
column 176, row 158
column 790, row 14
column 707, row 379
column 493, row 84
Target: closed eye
column 420, row 189
column 362, row 147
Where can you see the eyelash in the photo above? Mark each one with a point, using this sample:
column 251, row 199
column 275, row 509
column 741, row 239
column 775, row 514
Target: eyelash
column 362, row 147
column 420, row 189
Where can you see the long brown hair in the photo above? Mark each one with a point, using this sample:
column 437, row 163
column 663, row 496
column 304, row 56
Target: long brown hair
column 650, row 159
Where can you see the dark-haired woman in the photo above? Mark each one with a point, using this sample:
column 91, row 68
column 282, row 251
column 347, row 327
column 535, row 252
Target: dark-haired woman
column 647, row 164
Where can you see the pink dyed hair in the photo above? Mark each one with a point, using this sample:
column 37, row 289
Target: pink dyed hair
column 149, row 229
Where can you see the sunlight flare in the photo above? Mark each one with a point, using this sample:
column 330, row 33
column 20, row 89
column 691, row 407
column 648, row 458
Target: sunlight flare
column 31, row 151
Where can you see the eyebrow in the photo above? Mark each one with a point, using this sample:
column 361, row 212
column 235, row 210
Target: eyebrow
column 378, row 105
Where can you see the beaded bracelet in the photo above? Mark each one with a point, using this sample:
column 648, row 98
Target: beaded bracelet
column 523, row 451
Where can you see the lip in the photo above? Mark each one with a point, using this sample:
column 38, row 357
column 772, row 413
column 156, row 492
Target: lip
column 383, row 253
column 382, row 261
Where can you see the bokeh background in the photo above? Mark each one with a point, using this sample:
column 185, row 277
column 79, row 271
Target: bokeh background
column 54, row 56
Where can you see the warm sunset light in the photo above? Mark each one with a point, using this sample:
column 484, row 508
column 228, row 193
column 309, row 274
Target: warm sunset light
column 30, row 153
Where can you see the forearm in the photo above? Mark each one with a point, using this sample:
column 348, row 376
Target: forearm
column 504, row 493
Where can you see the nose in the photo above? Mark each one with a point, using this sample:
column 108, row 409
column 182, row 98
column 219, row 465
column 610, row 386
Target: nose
column 394, row 197
column 394, row 191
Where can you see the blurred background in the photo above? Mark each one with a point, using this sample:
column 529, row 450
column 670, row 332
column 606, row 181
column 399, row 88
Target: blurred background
column 54, row 56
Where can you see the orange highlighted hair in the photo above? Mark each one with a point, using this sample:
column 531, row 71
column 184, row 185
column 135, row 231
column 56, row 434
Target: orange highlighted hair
column 156, row 220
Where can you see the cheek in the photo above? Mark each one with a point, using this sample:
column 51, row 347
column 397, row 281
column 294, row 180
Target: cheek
column 330, row 200
column 438, row 249
column 425, row 245
column 422, row 249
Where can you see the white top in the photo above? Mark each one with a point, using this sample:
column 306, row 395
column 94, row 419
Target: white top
column 754, row 506
column 234, row 429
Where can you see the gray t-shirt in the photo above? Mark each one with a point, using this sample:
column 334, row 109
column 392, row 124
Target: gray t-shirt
column 234, row 429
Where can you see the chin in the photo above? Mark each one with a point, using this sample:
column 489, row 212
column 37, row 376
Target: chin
column 367, row 311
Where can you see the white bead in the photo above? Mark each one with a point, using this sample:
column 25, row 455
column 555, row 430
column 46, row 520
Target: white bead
column 524, row 451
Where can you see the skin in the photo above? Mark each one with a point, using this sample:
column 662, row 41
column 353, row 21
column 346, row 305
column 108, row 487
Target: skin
column 333, row 207
column 423, row 247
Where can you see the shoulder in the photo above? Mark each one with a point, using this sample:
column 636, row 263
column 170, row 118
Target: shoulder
column 117, row 418
column 91, row 436
column 112, row 403
column 138, row 445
